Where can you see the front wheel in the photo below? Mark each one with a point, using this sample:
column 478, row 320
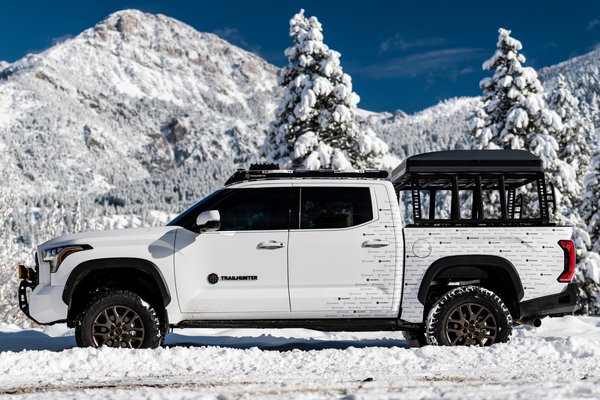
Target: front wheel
column 118, row 318
column 468, row 315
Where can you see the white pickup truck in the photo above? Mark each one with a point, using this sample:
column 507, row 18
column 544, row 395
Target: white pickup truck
column 328, row 250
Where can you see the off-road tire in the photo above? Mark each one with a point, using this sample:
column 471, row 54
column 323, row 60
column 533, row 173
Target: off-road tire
column 148, row 331
column 468, row 315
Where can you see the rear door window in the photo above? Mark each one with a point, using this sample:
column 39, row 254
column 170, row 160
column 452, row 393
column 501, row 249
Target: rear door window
column 334, row 207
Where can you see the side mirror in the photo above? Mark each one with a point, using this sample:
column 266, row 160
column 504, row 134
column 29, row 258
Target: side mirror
column 208, row 221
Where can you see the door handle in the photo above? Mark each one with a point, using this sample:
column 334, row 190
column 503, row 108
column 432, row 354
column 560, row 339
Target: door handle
column 375, row 243
column 270, row 245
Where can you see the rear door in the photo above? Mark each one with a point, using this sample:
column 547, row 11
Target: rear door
column 342, row 252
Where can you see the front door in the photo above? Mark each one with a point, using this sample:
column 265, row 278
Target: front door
column 242, row 267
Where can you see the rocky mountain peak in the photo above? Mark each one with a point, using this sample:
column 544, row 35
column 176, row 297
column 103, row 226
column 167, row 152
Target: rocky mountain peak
column 134, row 95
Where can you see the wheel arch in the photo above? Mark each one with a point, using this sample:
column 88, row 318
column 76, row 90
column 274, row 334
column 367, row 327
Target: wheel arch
column 472, row 267
column 135, row 274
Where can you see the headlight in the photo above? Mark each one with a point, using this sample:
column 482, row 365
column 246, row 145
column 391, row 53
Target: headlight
column 56, row 255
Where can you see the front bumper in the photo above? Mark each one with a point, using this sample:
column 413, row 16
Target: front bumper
column 29, row 279
column 23, row 301
column 565, row 302
column 42, row 303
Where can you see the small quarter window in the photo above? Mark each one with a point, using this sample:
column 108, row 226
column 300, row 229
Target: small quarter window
column 334, row 207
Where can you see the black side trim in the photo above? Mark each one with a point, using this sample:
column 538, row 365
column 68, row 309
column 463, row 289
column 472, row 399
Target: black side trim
column 80, row 272
column 342, row 324
column 472, row 263
column 558, row 304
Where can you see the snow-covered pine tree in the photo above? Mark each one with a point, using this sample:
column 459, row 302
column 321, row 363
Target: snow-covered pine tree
column 480, row 134
column 586, row 236
column 591, row 202
column 575, row 137
column 587, row 91
column 514, row 115
column 315, row 123
column 575, row 142
column 513, row 100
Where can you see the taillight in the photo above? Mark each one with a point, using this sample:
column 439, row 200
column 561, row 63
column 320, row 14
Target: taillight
column 569, row 249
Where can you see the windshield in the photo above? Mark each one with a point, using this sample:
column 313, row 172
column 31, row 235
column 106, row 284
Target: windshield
column 194, row 210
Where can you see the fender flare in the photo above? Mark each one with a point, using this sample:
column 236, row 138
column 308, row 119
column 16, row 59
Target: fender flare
column 83, row 269
column 475, row 262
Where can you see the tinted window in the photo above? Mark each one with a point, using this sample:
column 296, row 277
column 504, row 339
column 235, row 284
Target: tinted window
column 254, row 209
column 326, row 208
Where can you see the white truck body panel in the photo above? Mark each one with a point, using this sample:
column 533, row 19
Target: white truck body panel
column 534, row 251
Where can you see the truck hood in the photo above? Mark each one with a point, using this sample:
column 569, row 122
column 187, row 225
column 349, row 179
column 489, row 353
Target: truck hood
column 121, row 237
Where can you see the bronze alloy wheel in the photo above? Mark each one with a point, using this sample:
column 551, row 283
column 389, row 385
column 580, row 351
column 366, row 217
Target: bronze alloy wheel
column 471, row 324
column 118, row 318
column 118, row 326
column 468, row 316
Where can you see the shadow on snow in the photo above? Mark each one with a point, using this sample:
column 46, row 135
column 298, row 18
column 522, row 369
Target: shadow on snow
column 36, row 340
column 274, row 343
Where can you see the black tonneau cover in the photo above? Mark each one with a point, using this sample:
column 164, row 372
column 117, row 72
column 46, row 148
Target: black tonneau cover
column 467, row 161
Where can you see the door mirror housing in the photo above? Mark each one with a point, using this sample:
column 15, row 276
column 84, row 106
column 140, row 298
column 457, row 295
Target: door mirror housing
column 208, row 221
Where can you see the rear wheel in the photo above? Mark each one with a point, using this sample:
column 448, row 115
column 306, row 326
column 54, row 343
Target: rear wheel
column 118, row 318
column 466, row 316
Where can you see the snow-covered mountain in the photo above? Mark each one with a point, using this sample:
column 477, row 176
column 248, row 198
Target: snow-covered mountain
column 142, row 115
column 441, row 127
column 583, row 76
column 135, row 95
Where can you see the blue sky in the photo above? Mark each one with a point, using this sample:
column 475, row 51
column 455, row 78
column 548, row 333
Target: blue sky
column 401, row 55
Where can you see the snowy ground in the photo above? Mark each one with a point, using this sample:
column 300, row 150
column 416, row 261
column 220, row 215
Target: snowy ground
column 558, row 360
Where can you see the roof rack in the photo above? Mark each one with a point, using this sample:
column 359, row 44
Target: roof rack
column 253, row 175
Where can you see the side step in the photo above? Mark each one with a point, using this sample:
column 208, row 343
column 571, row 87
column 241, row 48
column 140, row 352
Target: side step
column 345, row 324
